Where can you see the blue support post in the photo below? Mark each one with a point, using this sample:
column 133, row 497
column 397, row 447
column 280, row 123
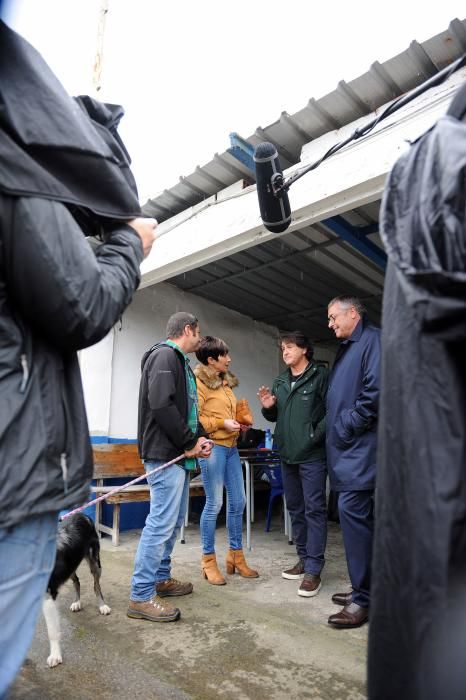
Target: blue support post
column 243, row 151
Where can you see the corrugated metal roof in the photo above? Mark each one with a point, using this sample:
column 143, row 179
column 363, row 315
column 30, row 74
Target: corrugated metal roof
column 288, row 281
column 348, row 102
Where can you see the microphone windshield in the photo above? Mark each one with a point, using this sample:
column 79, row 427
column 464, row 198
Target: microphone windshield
column 274, row 208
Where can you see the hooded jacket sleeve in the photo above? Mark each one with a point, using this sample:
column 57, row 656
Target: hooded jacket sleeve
column 69, row 294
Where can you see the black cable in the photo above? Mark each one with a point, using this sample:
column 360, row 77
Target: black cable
column 437, row 79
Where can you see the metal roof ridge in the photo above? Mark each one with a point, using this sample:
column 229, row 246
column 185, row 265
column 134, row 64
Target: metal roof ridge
column 377, row 85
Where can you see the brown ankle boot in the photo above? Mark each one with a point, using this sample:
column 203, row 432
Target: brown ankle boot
column 236, row 560
column 210, row 570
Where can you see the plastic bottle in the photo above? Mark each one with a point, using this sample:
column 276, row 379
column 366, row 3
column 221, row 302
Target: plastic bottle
column 268, row 439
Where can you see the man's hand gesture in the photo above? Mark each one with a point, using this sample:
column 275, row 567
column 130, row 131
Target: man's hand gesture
column 267, row 399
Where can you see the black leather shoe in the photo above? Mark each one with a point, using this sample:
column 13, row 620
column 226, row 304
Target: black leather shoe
column 342, row 598
column 352, row 615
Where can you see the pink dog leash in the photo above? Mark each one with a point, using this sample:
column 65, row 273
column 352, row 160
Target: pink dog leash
column 117, row 489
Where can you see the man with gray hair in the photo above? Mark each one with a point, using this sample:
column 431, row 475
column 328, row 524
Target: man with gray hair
column 352, row 408
column 168, row 425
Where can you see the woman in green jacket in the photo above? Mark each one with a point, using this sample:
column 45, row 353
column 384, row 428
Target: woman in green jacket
column 297, row 405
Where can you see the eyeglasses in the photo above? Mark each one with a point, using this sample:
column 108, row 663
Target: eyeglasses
column 331, row 318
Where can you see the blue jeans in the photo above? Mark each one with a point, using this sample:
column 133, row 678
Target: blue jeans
column 305, row 494
column 27, row 556
column 222, row 468
column 169, row 491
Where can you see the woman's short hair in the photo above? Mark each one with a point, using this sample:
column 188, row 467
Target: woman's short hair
column 299, row 339
column 211, row 347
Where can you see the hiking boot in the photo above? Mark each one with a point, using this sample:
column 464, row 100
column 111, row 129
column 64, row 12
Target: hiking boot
column 152, row 610
column 310, row 586
column 296, row 571
column 173, row 587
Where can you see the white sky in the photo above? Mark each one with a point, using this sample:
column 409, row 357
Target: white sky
column 190, row 73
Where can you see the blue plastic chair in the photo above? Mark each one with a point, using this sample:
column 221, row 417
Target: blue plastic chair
column 274, row 474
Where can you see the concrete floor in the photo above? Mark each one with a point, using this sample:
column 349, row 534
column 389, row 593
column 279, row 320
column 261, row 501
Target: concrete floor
column 251, row 639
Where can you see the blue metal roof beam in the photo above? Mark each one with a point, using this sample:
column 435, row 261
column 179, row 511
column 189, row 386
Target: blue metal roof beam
column 243, row 151
column 367, row 230
column 357, row 238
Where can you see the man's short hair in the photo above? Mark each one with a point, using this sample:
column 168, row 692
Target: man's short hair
column 346, row 301
column 178, row 322
column 211, row 347
column 299, row 339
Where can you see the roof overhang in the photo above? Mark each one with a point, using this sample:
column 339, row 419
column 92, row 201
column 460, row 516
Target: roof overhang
column 218, row 248
column 354, row 177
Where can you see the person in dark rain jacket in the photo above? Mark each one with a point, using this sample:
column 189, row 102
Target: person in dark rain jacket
column 56, row 297
column 352, row 409
column 417, row 635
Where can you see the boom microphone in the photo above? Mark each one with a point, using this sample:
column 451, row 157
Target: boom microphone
column 272, row 189
column 274, row 203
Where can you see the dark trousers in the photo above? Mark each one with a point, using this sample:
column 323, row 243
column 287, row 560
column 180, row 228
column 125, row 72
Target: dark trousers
column 304, row 486
column 356, row 510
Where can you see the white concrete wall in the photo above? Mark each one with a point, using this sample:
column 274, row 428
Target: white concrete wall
column 253, row 348
column 96, row 371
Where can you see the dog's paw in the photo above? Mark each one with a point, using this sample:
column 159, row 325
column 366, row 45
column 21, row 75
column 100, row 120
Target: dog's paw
column 76, row 606
column 53, row 660
column 105, row 610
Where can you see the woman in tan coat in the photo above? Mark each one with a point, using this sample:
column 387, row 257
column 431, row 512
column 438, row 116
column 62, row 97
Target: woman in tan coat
column 217, row 413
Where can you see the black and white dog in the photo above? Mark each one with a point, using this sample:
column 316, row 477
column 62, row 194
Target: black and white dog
column 76, row 540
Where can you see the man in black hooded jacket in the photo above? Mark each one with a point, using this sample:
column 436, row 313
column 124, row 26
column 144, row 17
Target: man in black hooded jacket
column 56, row 297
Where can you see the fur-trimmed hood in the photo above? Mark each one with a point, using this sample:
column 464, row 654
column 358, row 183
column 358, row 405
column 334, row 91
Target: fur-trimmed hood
column 212, row 380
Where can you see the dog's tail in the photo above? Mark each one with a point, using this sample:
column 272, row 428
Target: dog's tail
column 94, row 552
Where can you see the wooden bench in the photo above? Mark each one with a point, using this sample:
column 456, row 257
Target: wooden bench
column 117, row 461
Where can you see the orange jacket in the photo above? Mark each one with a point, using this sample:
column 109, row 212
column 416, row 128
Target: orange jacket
column 217, row 402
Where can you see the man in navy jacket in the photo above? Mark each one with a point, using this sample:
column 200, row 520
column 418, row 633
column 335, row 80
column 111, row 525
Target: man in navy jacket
column 352, row 407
